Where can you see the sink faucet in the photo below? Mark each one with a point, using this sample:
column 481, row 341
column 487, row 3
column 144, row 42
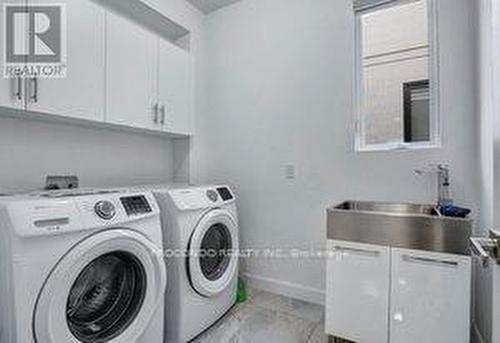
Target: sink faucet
column 444, row 184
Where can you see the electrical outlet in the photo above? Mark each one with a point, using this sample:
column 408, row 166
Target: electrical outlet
column 290, row 172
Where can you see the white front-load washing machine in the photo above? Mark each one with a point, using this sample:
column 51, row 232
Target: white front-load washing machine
column 81, row 267
column 200, row 229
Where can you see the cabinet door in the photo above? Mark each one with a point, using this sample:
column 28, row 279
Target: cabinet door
column 131, row 73
column 430, row 297
column 12, row 90
column 357, row 291
column 81, row 93
column 176, row 93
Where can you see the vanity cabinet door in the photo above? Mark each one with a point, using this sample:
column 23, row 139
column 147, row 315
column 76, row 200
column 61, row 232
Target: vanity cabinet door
column 357, row 292
column 430, row 297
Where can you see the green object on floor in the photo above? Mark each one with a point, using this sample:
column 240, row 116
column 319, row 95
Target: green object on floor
column 242, row 294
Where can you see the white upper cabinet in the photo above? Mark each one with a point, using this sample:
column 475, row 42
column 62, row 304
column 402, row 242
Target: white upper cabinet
column 357, row 297
column 131, row 74
column 12, row 90
column 81, row 93
column 116, row 70
column 176, row 88
column 430, row 297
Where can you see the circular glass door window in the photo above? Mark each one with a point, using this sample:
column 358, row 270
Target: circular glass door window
column 106, row 297
column 215, row 252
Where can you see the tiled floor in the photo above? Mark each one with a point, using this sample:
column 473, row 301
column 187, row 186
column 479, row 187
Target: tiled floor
column 267, row 317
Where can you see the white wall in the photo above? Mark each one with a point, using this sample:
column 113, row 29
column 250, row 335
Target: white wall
column 494, row 275
column 483, row 281
column 279, row 80
column 30, row 150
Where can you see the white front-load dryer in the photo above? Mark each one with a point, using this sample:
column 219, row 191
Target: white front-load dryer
column 81, row 267
column 200, row 230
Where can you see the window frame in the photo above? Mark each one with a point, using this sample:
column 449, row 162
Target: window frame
column 435, row 117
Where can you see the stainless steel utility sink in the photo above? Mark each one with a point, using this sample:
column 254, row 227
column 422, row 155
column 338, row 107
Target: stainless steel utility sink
column 399, row 225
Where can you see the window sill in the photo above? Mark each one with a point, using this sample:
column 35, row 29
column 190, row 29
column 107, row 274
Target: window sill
column 399, row 147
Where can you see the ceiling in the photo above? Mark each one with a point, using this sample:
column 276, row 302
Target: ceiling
column 207, row 6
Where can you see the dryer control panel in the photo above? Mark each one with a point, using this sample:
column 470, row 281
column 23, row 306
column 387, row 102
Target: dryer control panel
column 202, row 197
column 225, row 193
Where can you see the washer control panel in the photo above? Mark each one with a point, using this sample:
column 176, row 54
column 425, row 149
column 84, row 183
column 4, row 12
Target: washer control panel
column 135, row 205
column 105, row 209
column 33, row 215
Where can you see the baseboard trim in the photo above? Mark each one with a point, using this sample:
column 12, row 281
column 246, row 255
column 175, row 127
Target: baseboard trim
column 285, row 288
column 476, row 334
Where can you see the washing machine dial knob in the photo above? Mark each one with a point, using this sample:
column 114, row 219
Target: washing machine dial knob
column 212, row 195
column 105, row 209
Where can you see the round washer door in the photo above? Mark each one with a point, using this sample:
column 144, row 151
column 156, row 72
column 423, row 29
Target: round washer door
column 105, row 289
column 212, row 263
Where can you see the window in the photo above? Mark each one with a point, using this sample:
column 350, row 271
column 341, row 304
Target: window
column 396, row 73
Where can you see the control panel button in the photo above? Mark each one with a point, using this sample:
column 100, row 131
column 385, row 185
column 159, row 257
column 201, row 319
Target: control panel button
column 212, row 195
column 105, row 209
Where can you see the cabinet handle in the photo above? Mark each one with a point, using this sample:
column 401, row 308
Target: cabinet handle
column 398, row 317
column 155, row 113
column 358, row 251
column 19, row 89
column 162, row 114
column 418, row 259
column 34, row 95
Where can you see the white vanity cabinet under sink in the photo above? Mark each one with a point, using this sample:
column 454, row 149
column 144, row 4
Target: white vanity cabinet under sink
column 430, row 297
column 378, row 294
column 357, row 299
